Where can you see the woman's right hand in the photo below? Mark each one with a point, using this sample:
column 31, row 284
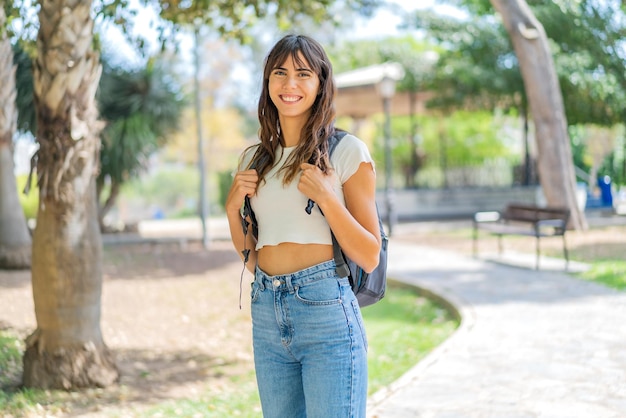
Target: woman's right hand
column 244, row 184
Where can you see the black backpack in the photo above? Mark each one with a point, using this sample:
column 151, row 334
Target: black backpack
column 369, row 288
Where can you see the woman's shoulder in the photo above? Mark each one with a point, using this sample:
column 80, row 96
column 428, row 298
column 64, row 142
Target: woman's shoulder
column 352, row 146
column 348, row 155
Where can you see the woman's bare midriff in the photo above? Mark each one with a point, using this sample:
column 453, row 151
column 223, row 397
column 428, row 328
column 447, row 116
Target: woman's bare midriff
column 290, row 257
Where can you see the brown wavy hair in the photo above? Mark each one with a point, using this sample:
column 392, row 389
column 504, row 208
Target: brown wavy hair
column 313, row 144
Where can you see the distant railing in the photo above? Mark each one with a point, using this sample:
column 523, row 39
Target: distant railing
column 497, row 173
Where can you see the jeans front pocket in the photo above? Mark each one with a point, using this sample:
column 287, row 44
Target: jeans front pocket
column 320, row 292
column 359, row 320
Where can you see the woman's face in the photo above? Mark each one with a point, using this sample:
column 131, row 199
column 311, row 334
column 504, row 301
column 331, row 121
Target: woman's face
column 293, row 88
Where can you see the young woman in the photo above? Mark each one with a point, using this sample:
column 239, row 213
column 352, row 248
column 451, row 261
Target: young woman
column 309, row 343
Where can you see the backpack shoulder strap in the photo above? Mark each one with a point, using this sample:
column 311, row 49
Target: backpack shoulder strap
column 247, row 206
column 333, row 141
column 341, row 267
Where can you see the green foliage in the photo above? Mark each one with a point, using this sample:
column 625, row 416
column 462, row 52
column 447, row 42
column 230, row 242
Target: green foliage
column 142, row 107
column 29, row 202
column 611, row 273
column 21, row 23
column 479, row 7
column 11, row 349
column 589, row 58
column 230, row 18
column 224, row 180
column 346, row 56
column 26, row 402
column 402, row 328
column 470, row 137
column 243, row 402
column 126, row 147
column 577, row 139
column 586, row 38
column 27, row 117
column 477, row 68
column 462, row 139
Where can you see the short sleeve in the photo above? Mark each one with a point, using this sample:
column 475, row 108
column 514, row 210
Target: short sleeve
column 348, row 156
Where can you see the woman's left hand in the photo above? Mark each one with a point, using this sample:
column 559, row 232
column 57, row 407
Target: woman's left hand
column 314, row 184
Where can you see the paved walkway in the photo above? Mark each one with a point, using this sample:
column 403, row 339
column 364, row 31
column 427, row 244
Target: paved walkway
column 531, row 344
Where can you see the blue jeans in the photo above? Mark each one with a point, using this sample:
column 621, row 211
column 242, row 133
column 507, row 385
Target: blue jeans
column 310, row 348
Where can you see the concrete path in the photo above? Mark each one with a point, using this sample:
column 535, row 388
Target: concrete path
column 531, row 344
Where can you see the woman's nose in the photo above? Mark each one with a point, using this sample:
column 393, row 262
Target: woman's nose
column 290, row 81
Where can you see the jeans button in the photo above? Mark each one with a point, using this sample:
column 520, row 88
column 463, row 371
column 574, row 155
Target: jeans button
column 276, row 283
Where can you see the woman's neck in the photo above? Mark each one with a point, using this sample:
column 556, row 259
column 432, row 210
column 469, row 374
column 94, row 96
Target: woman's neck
column 290, row 131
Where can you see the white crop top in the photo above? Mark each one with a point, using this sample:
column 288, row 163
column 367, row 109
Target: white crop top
column 280, row 210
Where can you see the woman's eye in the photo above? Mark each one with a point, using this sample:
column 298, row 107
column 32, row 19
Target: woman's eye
column 279, row 72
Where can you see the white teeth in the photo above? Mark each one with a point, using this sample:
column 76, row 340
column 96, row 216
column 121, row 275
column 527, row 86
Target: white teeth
column 290, row 98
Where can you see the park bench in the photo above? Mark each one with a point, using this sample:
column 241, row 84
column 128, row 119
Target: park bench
column 523, row 219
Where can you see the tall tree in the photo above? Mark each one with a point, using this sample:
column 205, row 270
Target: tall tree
column 555, row 162
column 67, row 349
column 15, row 241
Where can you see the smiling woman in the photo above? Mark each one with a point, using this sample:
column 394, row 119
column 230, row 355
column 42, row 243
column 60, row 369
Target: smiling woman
column 308, row 333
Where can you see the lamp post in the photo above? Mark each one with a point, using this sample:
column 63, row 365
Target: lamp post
column 387, row 89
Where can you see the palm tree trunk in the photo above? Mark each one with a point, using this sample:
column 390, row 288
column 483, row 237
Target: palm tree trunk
column 555, row 161
column 67, row 350
column 15, row 242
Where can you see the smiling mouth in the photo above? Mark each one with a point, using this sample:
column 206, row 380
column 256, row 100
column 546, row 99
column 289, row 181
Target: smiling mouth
column 290, row 99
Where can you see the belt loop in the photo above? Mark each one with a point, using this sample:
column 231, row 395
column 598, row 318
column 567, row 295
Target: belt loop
column 288, row 283
column 259, row 278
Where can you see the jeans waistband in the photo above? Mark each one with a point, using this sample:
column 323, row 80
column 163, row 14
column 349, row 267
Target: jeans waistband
column 299, row 278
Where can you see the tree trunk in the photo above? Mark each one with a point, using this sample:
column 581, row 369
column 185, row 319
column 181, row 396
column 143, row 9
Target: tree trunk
column 15, row 242
column 67, row 350
column 555, row 162
column 108, row 204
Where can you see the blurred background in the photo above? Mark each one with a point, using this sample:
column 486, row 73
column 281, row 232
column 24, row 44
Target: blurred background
column 180, row 104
